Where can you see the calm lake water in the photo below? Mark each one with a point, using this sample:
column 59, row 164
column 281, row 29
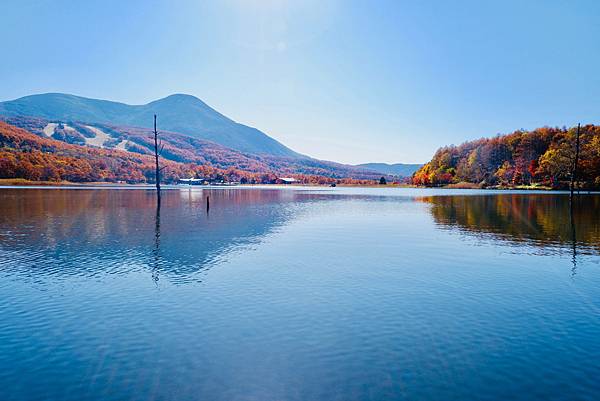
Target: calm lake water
column 298, row 294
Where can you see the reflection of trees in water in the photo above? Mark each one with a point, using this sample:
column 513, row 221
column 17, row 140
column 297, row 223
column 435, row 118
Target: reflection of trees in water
column 57, row 215
column 89, row 231
column 540, row 220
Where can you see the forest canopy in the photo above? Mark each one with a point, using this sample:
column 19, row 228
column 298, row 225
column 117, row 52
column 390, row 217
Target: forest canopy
column 542, row 157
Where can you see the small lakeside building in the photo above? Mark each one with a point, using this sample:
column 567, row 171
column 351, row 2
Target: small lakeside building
column 287, row 180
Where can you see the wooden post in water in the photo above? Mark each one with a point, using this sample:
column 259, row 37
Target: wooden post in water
column 207, row 203
column 575, row 163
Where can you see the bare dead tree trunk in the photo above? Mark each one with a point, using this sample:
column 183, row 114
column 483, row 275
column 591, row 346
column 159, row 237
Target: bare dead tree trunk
column 575, row 162
column 157, row 152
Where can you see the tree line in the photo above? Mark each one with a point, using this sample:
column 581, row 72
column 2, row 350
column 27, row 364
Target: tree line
column 541, row 157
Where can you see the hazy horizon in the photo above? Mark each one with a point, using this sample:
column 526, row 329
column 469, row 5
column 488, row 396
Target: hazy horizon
column 344, row 81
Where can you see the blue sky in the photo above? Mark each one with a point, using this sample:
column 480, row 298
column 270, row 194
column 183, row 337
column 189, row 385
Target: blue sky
column 350, row 81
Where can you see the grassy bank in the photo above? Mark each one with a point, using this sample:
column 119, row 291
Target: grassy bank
column 22, row 181
column 470, row 185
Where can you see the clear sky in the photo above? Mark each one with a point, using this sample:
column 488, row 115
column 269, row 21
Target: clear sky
column 350, row 81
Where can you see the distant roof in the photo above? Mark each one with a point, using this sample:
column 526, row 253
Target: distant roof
column 290, row 179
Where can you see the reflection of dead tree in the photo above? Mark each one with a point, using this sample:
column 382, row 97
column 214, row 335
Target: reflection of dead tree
column 573, row 239
column 158, row 148
column 575, row 164
column 156, row 251
column 572, row 184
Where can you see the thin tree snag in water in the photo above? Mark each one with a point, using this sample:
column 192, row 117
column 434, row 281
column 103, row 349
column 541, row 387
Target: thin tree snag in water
column 156, row 154
column 575, row 163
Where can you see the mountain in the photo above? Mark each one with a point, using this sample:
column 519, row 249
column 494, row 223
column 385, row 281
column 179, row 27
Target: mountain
column 180, row 113
column 398, row 169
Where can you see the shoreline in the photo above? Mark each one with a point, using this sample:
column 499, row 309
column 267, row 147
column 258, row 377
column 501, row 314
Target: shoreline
column 24, row 184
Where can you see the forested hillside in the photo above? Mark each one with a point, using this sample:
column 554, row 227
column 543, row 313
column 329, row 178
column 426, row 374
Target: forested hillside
column 183, row 149
column 30, row 156
column 543, row 156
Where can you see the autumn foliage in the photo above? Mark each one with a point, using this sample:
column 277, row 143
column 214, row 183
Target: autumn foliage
column 540, row 157
column 34, row 157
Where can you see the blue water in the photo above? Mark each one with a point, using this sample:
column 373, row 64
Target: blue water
column 298, row 294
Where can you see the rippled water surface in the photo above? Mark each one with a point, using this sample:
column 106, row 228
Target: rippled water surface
column 298, row 294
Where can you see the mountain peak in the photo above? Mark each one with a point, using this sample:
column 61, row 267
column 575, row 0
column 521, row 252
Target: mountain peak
column 179, row 98
column 181, row 113
column 182, row 96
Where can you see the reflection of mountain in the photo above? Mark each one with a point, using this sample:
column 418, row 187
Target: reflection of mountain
column 540, row 220
column 89, row 232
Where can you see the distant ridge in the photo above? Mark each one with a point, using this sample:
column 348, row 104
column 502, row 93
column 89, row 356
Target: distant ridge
column 397, row 169
column 181, row 113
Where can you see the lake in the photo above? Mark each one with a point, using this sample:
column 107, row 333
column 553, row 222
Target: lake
column 298, row 294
